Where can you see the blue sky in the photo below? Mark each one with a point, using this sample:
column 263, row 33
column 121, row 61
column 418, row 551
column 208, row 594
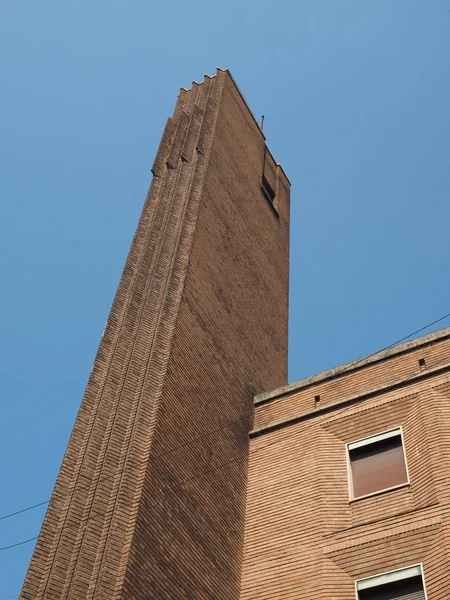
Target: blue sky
column 356, row 96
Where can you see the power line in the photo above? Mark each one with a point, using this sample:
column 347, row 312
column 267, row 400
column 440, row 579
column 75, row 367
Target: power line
column 20, row 543
column 241, row 457
column 199, row 438
column 18, row 512
column 353, row 363
column 417, row 331
column 166, row 489
column 171, row 451
column 203, row 474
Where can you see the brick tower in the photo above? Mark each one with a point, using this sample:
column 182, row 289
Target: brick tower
column 150, row 499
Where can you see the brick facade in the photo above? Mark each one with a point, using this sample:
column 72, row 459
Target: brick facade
column 150, row 499
column 185, row 478
column 305, row 538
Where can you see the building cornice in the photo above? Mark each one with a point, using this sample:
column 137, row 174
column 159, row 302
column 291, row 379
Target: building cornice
column 422, row 375
column 351, row 367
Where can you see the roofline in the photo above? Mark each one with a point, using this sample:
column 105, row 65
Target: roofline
column 243, row 98
column 249, row 110
column 352, row 366
column 254, row 118
column 395, row 385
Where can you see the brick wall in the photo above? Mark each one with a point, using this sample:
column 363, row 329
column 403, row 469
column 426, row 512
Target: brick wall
column 337, row 386
column 230, row 342
column 304, row 538
column 150, row 499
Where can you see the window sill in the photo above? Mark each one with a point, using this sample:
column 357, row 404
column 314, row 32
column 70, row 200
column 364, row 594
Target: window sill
column 379, row 492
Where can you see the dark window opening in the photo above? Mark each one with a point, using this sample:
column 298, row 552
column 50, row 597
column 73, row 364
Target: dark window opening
column 377, row 464
column 407, row 589
column 267, row 190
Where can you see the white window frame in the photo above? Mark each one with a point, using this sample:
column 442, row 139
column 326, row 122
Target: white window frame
column 367, row 441
column 390, row 577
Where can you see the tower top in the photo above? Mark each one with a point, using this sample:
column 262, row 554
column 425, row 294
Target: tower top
column 246, row 104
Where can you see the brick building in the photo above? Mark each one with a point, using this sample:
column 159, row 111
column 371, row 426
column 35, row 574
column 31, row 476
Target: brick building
column 339, row 491
column 349, row 487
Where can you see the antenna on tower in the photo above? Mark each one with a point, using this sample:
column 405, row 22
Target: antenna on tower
column 262, row 123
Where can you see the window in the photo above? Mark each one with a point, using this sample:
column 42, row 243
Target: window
column 267, row 190
column 376, row 463
column 405, row 584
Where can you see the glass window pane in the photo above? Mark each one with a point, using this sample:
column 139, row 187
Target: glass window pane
column 378, row 466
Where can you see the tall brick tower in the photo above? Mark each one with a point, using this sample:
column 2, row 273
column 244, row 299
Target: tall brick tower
column 150, row 500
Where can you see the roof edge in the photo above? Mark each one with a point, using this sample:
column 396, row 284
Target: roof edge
column 183, row 89
column 401, row 383
column 352, row 366
column 254, row 118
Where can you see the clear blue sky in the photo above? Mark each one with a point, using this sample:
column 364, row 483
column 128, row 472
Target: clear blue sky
column 356, row 96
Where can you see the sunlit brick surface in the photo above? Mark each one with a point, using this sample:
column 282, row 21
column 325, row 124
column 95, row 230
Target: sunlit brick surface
column 304, row 538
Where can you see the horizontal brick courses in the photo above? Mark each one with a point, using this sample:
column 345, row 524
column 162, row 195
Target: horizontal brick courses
column 304, row 538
